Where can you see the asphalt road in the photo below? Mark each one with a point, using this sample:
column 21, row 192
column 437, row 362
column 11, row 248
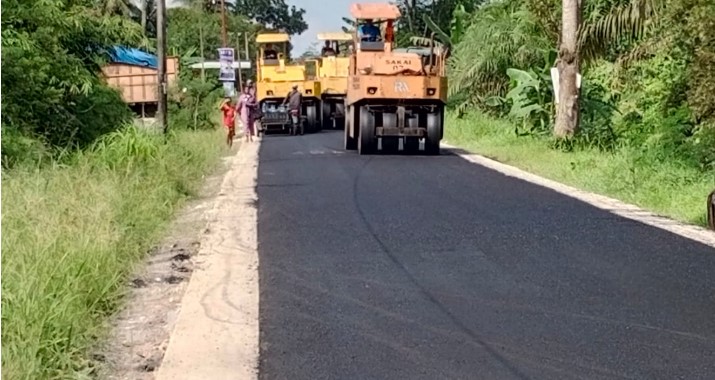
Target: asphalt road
column 394, row 267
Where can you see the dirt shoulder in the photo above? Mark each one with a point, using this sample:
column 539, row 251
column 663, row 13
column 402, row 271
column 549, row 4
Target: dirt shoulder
column 194, row 249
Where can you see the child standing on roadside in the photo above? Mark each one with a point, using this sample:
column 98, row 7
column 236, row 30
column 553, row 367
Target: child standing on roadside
column 229, row 119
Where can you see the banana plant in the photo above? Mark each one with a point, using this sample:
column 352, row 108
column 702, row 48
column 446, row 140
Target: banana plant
column 458, row 25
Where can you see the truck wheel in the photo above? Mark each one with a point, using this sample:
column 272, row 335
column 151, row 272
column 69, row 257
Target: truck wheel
column 367, row 143
column 434, row 132
column 311, row 116
column 350, row 142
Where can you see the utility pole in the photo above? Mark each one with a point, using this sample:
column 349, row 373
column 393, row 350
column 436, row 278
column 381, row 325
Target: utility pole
column 223, row 24
column 238, row 58
column 161, row 54
column 248, row 57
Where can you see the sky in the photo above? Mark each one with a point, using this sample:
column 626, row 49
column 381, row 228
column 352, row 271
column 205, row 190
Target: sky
column 320, row 15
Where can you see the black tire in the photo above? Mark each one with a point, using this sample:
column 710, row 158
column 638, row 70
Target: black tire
column 412, row 145
column 367, row 143
column 389, row 120
column 390, row 144
column 311, row 116
column 350, row 142
column 326, row 119
column 413, row 122
column 340, row 110
column 434, row 132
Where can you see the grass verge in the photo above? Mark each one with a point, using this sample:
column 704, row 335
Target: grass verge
column 71, row 233
column 672, row 189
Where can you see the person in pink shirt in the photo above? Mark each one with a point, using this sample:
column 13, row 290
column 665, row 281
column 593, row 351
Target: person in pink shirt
column 246, row 108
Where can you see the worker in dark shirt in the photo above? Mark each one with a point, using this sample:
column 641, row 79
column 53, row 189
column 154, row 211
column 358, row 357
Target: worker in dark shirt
column 294, row 100
column 327, row 50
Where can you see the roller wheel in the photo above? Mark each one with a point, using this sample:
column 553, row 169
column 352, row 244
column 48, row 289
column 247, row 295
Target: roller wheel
column 412, row 145
column 434, row 132
column 340, row 110
column 311, row 116
column 350, row 142
column 367, row 143
column 390, row 144
column 389, row 120
column 327, row 120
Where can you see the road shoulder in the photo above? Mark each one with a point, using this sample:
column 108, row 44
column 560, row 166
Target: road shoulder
column 614, row 206
column 216, row 333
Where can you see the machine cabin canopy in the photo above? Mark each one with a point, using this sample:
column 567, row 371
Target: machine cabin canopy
column 272, row 38
column 372, row 11
column 335, row 36
column 333, row 42
column 272, row 47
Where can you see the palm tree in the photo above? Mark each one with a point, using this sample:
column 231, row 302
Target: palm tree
column 623, row 19
column 569, row 65
column 147, row 16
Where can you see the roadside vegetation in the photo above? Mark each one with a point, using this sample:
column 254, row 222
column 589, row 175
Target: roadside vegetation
column 86, row 191
column 73, row 230
column 646, row 131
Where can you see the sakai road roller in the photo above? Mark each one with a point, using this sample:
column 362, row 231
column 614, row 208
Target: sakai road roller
column 395, row 96
column 276, row 78
column 333, row 74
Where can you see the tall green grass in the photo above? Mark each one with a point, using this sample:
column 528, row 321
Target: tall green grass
column 71, row 233
column 670, row 188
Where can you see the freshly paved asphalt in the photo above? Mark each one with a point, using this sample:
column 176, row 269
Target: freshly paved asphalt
column 413, row 267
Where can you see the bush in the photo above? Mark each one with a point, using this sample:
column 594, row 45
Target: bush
column 73, row 230
column 194, row 104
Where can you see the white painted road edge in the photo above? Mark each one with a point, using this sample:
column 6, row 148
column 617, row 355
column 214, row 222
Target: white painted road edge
column 614, row 206
column 216, row 334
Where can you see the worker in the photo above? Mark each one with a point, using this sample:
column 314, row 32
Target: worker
column 327, row 50
column 369, row 31
column 294, row 100
column 270, row 53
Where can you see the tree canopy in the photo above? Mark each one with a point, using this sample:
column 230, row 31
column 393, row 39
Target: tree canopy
column 273, row 14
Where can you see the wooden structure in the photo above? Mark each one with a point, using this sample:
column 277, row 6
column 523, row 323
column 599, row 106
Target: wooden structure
column 138, row 84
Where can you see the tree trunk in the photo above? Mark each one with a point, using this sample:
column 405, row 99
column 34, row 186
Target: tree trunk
column 569, row 64
column 144, row 5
